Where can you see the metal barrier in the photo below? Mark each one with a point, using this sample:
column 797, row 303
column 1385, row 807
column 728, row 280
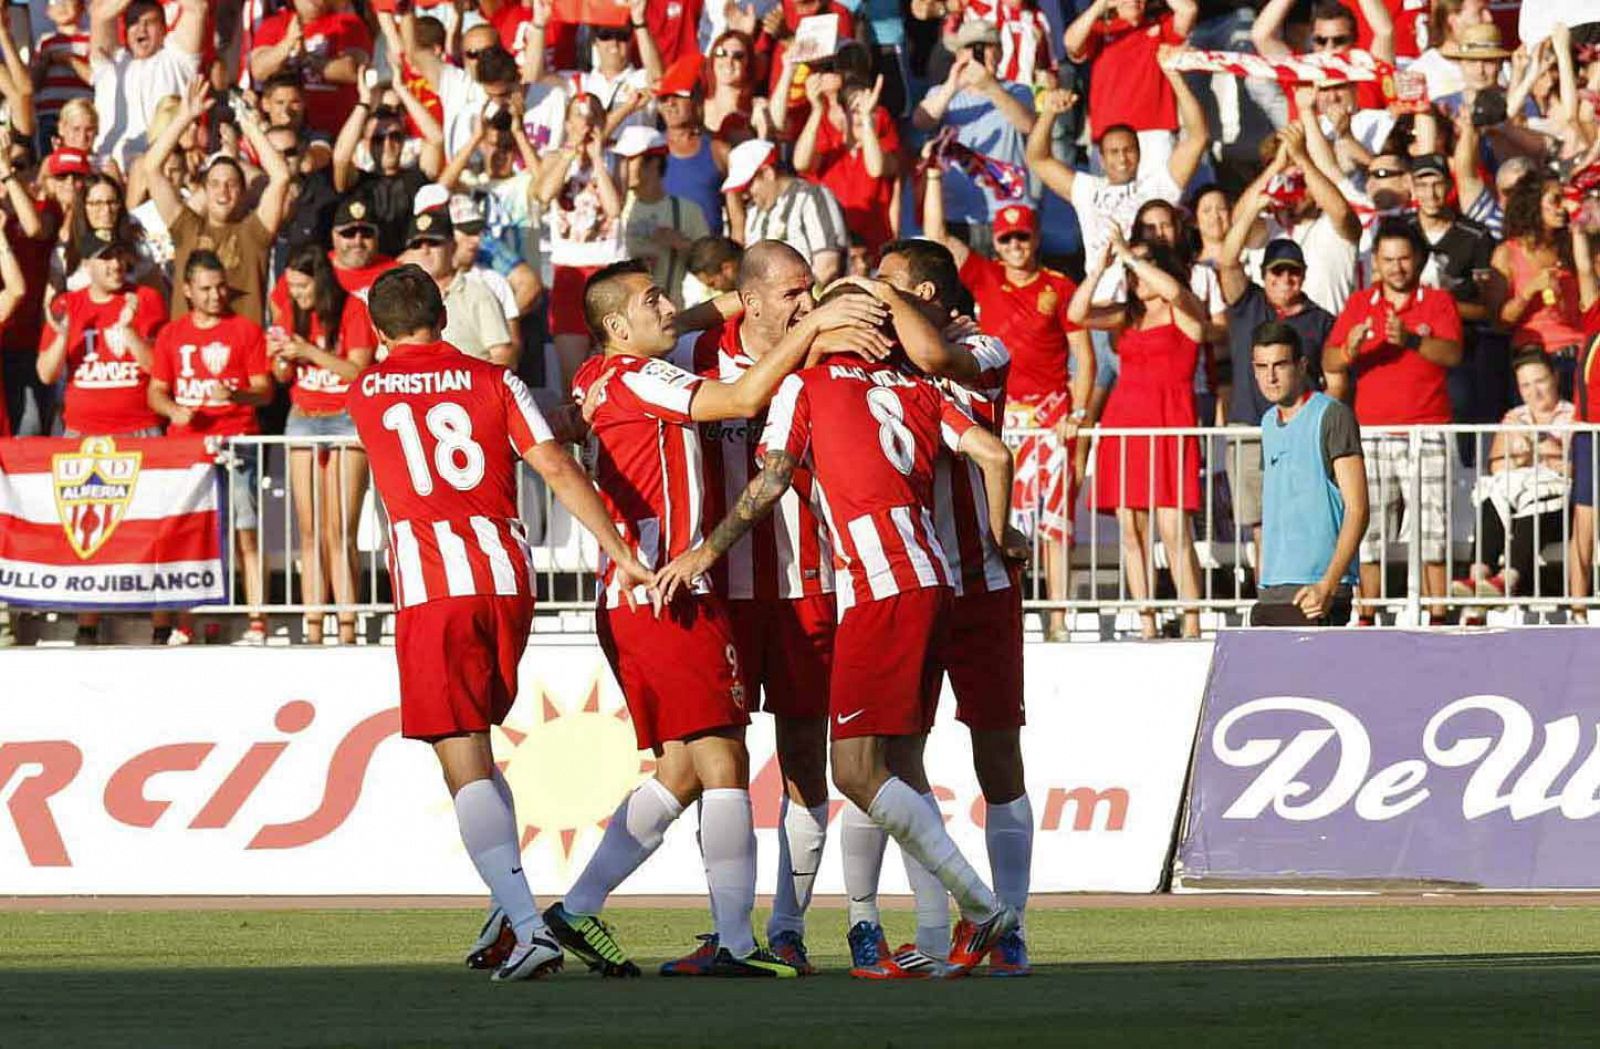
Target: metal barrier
column 318, row 487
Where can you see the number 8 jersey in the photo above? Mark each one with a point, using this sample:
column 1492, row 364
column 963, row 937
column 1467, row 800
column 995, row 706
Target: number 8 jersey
column 872, row 434
column 444, row 433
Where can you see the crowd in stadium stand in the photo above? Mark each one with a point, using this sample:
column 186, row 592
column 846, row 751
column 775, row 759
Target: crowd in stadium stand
column 1412, row 185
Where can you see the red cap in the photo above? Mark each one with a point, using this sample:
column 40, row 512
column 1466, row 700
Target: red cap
column 1015, row 218
column 68, row 161
column 682, row 76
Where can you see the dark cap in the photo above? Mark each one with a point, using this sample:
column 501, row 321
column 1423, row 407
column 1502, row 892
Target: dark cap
column 1283, row 252
column 352, row 211
column 431, row 225
column 1430, row 164
column 96, row 243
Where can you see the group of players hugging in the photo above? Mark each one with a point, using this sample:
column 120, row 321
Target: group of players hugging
column 800, row 502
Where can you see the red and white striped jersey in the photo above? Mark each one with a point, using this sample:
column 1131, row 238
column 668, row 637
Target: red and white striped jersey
column 444, row 433
column 61, row 85
column 872, row 434
column 1024, row 38
column 786, row 555
column 646, row 456
column 960, row 507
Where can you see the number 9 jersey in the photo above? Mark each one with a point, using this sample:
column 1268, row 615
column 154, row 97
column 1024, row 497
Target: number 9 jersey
column 444, row 433
column 872, row 433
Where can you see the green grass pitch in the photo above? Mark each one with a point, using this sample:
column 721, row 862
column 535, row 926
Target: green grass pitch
column 1376, row 975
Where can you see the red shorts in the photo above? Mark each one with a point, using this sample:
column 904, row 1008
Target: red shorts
column 983, row 656
column 786, row 650
column 458, row 661
column 680, row 673
column 886, row 670
column 566, row 299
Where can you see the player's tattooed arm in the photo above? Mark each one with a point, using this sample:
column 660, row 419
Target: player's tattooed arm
column 754, row 503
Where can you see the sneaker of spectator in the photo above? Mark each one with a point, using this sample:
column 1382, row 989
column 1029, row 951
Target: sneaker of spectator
column 129, row 79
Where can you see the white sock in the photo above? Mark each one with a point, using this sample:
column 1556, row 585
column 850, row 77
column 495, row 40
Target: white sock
column 932, row 901
column 489, row 831
column 728, row 836
column 498, row 778
column 861, row 841
column 901, row 811
column 632, row 835
column 700, row 843
column 1008, row 831
column 802, row 833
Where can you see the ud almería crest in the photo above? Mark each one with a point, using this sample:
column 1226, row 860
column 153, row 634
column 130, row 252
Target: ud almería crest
column 94, row 486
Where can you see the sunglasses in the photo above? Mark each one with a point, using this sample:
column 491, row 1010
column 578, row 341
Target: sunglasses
column 722, row 52
column 1333, row 41
column 1012, row 238
column 473, row 54
column 1386, row 173
column 389, row 136
column 357, row 232
column 615, row 35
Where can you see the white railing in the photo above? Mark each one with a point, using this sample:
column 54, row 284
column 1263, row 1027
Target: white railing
column 1097, row 601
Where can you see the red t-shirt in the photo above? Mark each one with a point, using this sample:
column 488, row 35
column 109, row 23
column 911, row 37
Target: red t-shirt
column 331, row 36
column 25, row 326
column 1137, row 93
column 1410, row 19
column 514, row 23
column 316, row 389
column 1030, row 319
column 357, row 281
column 799, row 107
column 865, row 200
column 200, row 364
column 106, row 389
column 674, row 26
column 1396, row 386
column 1589, row 384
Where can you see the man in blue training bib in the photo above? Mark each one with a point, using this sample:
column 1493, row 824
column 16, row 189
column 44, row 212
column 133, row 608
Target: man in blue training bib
column 1314, row 491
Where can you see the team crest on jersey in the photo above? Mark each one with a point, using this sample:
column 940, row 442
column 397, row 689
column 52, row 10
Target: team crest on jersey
column 214, row 355
column 1048, row 301
column 93, row 487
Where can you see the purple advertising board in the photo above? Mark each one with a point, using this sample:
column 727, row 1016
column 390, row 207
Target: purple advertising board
column 1368, row 759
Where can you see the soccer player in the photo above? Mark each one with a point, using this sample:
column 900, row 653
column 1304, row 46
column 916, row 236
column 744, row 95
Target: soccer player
column 983, row 653
column 444, row 432
column 679, row 671
column 778, row 581
column 871, row 432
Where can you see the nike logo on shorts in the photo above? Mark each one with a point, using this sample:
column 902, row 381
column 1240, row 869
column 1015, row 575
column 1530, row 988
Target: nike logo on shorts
column 845, row 719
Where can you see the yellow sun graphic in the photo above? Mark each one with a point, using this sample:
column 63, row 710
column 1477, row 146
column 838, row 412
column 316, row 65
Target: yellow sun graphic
column 568, row 769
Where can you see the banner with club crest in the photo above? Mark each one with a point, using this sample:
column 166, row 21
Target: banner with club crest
column 110, row 523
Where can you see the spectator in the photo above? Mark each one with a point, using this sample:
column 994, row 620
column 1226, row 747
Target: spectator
column 321, row 339
column 787, row 104
column 1542, row 308
column 1301, row 202
column 1213, row 217
column 1314, row 489
column 1279, row 298
column 77, row 127
column 1117, row 34
column 657, row 229
column 1024, row 305
column 1522, row 501
column 322, row 43
column 99, row 207
column 241, row 239
column 728, row 81
column 209, row 373
column 129, row 80
column 585, row 225
column 30, row 228
column 1459, row 260
column 1480, row 56
column 674, row 27
column 391, row 184
column 1160, row 325
column 990, row 117
column 1335, row 28
column 1585, row 492
column 713, row 264
column 311, row 199
column 60, row 70
column 849, row 145
column 468, row 219
column 183, row 167
column 624, row 91
column 1449, row 19
column 781, row 207
column 696, row 161
column 1108, row 203
column 1025, row 56
column 477, row 322
column 99, row 339
column 1395, row 342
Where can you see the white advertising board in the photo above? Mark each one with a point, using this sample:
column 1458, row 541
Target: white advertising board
column 281, row 772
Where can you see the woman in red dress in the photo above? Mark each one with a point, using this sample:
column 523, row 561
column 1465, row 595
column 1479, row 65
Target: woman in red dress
column 1158, row 330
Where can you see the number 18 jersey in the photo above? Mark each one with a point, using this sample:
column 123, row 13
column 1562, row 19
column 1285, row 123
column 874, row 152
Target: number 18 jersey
column 872, row 434
column 444, row 433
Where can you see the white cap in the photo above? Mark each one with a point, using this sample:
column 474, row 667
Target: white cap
column 635, row 141
column 429, row 197
column 744, row 161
